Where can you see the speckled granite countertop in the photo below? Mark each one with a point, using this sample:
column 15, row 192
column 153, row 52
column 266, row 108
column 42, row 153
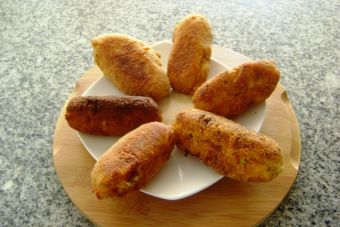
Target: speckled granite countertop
column 45, row 49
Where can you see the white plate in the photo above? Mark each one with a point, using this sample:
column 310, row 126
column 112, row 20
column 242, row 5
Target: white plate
column 181, row 176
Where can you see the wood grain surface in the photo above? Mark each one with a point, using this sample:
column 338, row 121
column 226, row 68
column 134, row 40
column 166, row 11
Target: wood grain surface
column 226, row 203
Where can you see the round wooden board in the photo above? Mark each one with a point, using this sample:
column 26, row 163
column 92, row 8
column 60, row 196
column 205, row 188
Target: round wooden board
column 226, row 203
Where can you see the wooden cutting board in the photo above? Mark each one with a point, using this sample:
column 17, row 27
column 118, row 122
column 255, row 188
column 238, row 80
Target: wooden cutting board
column 226, row 203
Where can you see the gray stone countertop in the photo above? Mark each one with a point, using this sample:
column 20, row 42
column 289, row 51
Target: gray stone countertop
column 45, row 49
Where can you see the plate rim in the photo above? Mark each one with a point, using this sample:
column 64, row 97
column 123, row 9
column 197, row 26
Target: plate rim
column 162, row 196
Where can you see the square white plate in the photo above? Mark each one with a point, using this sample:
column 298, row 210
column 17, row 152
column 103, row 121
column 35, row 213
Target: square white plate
column 181, row 176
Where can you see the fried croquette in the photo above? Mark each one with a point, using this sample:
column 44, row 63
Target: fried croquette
column 110, row 115
column 132, row 162
column 231, row 93
column 131, row 65
column 189, row 59
column 228, row 147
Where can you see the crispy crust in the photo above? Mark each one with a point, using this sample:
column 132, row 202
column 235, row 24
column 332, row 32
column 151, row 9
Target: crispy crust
column 131, row 65
column 229, row 148
column 131, row 163
column 110, row 115
column 189, row 60
column 231, row 93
